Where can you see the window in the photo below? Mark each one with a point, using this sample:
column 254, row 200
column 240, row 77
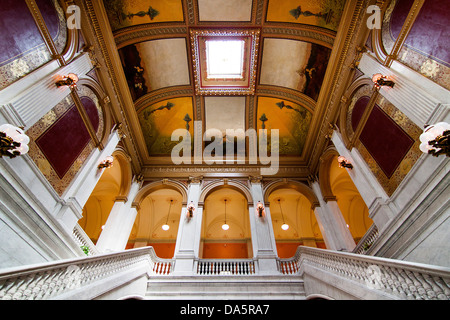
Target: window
column 225, row 59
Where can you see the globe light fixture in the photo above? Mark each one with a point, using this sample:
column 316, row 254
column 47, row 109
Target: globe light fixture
column 13, row 141
column 435, row 139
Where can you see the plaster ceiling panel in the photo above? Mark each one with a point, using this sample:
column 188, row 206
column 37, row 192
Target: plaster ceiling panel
column 229, row 10
column 126, row 13
column 291, row 120
column 161, row 119
column 225, row 113
column 321, row 13
column 295, row 65
column 155, row 64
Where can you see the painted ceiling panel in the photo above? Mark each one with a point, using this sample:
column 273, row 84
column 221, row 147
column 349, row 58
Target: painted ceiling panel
column 208, row 10
column 321, row 13
column 126, row 13
column 159, row 120
column 155, row 64
column 294, row 64
column 225, row 113
column 290, row 119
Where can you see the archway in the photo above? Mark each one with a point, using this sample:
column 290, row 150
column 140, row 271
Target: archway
column 292, row 208
column 225, row 204
column 160, row 207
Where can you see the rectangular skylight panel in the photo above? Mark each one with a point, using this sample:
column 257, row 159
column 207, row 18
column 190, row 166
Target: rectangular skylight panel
column 225, row 58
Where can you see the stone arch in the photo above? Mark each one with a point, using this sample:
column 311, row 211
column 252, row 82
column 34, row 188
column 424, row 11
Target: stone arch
column 126, row 172
column 300, row 187
column 162, row 184
column 324, row 173
column 236, row 185
column 103, row 101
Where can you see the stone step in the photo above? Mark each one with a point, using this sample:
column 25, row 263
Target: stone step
column 226, row 287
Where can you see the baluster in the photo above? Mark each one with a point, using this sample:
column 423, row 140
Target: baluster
column 445, row 289
column 436, row 292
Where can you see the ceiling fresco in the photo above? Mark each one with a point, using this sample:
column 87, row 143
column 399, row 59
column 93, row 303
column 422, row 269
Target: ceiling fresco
column 126, row 13
column 321, row 13
column 159, row 60
column 290, row 119
column 159, row 120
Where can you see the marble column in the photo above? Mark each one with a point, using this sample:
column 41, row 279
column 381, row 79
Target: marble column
column 334, row 229
column 189, row 232
column 119, row 224
column 263, row 237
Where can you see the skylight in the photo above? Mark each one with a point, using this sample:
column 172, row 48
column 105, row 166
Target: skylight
column 225, row 59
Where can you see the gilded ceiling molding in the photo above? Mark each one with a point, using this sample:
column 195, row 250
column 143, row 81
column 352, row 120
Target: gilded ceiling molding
column 337, row 78
column 288, row 94
column 377, row 39
column 304, row 33
column 141, row 33
column 179, row 171
column 103, row 101
column 345, row 103
column 95, row 25
column 43, row 30
column 162, row 94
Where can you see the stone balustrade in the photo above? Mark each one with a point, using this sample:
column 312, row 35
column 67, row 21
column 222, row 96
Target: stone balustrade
column 367, row 240
column 226, row 267
column 393, row 278
column 375, row 277
column 82, row 239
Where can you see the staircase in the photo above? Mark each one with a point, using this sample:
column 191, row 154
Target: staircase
column 225, row 287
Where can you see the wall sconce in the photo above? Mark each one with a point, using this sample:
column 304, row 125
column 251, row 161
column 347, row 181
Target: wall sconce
column 13, row 141
column 260, row 211
column 190, row 210
column 70, row 80
column 382, row 81
column 107, row 163
column 344, row 163
column 435, row 139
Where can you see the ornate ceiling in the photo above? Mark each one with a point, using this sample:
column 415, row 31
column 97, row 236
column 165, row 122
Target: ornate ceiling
column 294, row 54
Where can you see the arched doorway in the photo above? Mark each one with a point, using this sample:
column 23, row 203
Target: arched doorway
column 294, row 221
column 225, row 205
column 157, row 222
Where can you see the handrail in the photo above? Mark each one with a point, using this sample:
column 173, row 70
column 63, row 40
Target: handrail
column 53, row 279
column 405, row 280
